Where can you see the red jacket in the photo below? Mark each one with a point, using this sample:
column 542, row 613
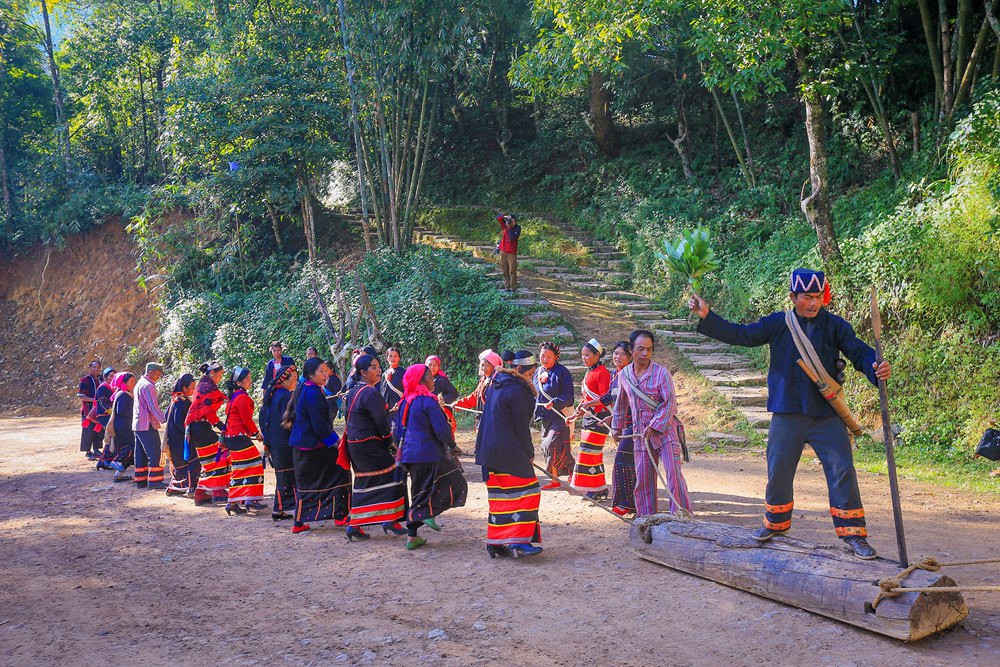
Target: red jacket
column 596, row 384
column 508, row 236
column 239, row 416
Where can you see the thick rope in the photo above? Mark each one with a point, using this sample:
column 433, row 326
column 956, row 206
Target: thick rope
column 575, row 492
column 893, row 586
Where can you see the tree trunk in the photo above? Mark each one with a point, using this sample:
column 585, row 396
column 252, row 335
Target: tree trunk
column 915, row 123
column 932, row 50
column 679, row 142
column 746, row 138
column 355, row 127
column 57, row 96
column 747, row 176
column 8, row 207
column 949, row 91
column 275, row 226
column 601, row 123
column 816, row 206
column 964, row 25
column 995, row 24
column 871, row 88
column 966, row 86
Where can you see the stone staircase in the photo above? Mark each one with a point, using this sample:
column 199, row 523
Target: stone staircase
column 602, row 276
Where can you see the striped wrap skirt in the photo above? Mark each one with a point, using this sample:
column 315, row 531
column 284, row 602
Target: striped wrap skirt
column 588, row 472
column 212, row 457
column 513, row 505
column 246, row 477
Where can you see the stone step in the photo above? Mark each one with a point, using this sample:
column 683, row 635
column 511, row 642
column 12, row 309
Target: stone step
column 764, row 432
column 542, row 316
column 725, row 438
column 549, row 269
column 719, row 361
column 746, row 396
column 532, row 261
column 702, row 348
column 550, row 333
column 681, row 336
column 625, row 297
column 606, row 254
column 641, row 313
column 571, row 276
column 602, row 248
column 529, row 302
column 617, row 276
column 735, row 378
column 756, row 417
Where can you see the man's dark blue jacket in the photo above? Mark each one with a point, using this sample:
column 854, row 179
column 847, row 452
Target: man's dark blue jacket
column 789, row 389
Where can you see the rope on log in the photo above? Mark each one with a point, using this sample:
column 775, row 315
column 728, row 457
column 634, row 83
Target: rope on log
column 893, row 586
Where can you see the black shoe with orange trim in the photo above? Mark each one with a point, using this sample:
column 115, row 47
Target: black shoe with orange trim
column 763, row 534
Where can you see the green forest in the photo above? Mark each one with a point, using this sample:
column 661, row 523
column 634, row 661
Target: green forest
column 259, row 151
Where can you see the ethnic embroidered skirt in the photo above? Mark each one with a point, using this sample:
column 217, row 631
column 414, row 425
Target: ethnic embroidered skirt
column 513, row 503
column 377, row 497
column 322, row 487
column 556, row 448
column 379, row 493
column 185, row 473
column 246, row 478
column 120, row 450
column 212, row 457
column 435, row 487
column 588, row 473
column 284, row 479
column 623, row 474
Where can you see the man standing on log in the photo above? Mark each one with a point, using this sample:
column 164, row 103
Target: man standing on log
column 801, row 414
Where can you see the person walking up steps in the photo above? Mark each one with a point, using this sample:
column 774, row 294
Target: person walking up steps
column 801, row 413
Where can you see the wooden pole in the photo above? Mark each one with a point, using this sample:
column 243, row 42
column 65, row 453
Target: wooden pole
column 890, row 455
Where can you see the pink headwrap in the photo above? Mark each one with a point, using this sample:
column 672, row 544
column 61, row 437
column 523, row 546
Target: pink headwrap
column 492, row 357
column 413, row 385
column 434, row 357
column 118, row 383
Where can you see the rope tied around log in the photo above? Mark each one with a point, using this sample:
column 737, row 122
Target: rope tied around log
column 893, row 586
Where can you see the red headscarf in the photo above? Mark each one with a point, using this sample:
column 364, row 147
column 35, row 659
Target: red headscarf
column 413, row 385
column 436, row 358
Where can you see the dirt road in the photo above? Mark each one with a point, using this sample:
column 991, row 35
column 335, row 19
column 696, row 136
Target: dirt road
column 93, row 573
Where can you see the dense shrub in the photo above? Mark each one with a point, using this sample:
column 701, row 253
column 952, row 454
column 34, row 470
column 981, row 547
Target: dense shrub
column 428, row 302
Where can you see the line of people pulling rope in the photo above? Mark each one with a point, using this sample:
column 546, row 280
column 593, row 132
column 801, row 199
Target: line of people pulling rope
column 397, row 462
column 400, row 429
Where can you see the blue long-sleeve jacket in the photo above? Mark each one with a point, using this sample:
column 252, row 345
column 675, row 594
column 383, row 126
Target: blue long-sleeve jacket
column 313, row 425
column 789, row 389
column 427, row 437
column 558, row 384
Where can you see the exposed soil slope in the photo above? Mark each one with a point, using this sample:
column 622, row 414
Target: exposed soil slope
column 86, row 306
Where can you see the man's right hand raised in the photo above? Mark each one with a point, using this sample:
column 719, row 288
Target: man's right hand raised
column 698, row 306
